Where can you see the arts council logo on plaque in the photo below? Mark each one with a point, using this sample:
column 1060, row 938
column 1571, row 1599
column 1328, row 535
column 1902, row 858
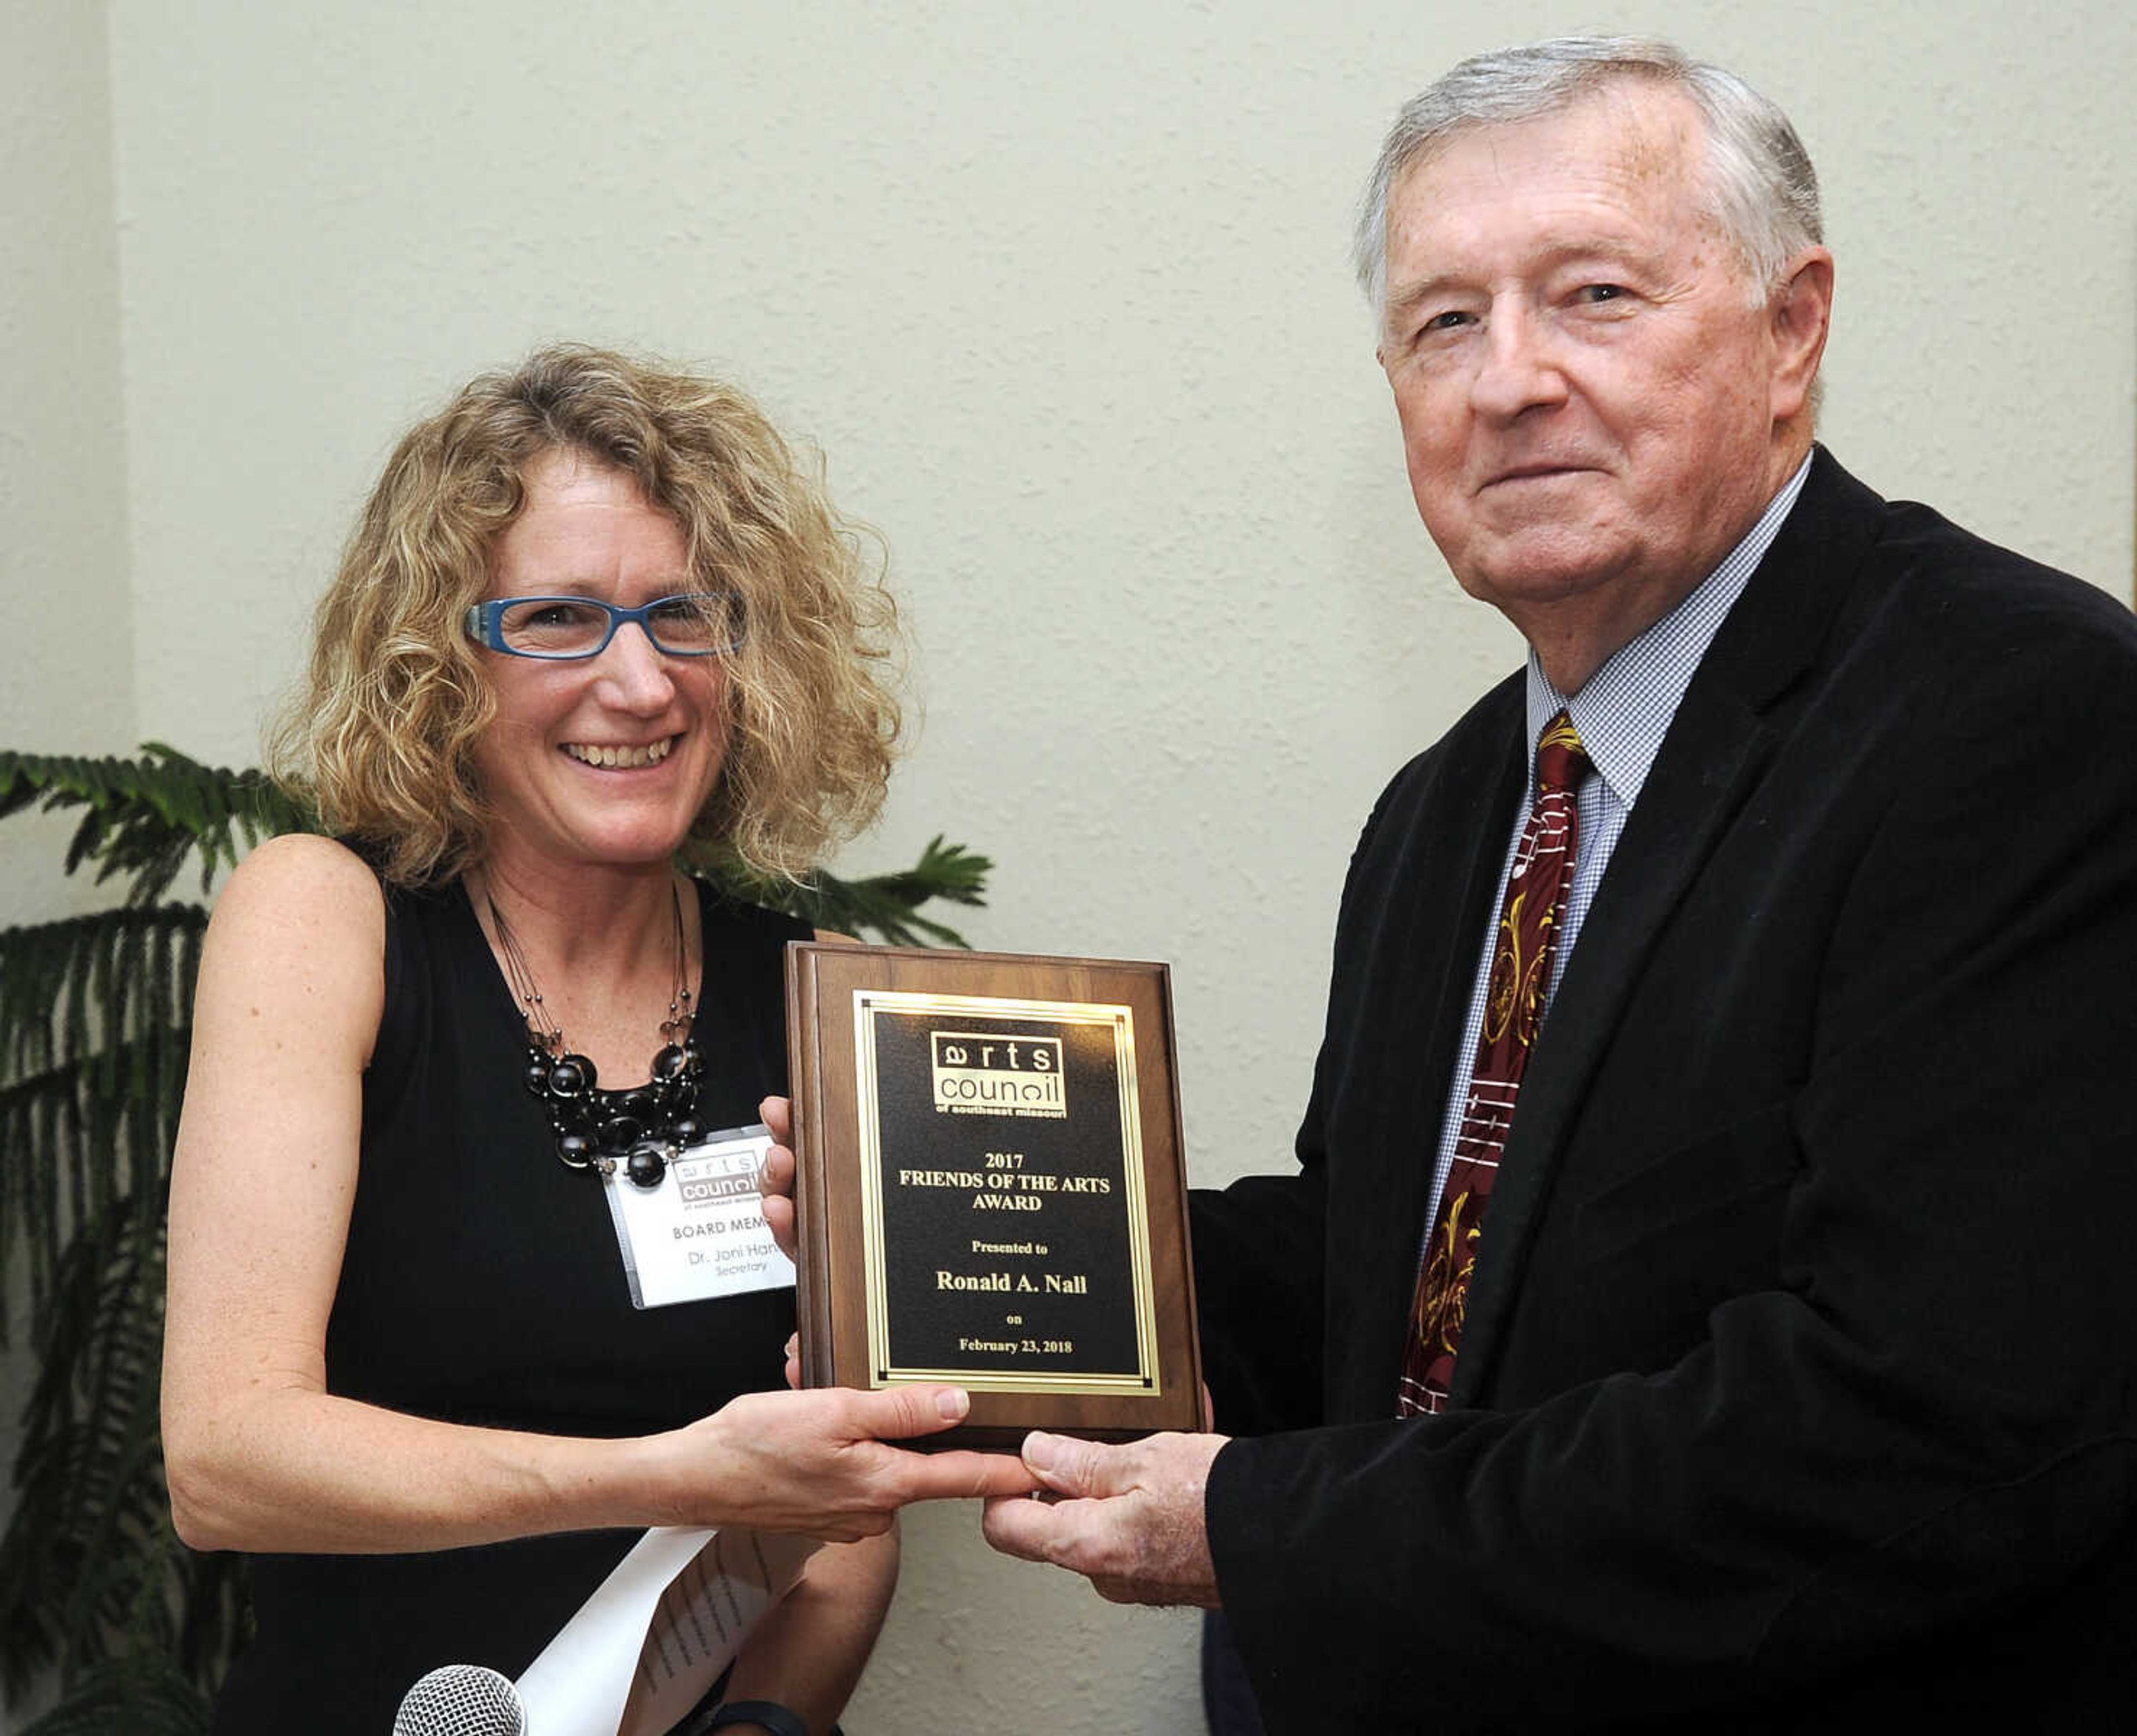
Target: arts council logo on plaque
column 978, row 1073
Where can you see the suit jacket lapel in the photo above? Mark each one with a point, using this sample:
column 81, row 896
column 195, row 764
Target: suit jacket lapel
column 1711, row 758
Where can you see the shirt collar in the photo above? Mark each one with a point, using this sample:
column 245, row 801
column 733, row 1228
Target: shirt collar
column 1623, row 710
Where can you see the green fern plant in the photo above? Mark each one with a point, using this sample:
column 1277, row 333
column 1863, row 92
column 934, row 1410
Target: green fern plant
column 96, row 1017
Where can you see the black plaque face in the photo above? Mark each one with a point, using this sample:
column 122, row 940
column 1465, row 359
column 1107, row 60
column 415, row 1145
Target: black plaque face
column 1004, row 1223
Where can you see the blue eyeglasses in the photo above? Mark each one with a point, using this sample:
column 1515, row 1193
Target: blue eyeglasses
column 692, row 624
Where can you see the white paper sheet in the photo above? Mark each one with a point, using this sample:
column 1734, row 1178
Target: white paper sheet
column 659, row 1630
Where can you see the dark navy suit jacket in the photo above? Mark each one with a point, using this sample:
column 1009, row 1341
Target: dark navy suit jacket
column 1799, row 1390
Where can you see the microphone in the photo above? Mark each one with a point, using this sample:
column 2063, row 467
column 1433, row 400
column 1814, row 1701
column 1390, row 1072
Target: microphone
column 461, row 1699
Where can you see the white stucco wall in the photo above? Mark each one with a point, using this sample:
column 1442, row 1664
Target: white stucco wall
column 66, row 611
column 1061, row 292
column 67, row 642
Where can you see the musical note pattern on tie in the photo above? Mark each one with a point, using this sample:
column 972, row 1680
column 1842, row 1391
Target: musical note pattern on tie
column 1515, row 998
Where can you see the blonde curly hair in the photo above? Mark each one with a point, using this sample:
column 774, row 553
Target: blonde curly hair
column 380, row 735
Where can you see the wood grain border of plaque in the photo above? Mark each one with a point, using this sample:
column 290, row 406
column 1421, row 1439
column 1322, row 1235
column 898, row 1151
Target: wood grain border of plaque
column 989, row 1188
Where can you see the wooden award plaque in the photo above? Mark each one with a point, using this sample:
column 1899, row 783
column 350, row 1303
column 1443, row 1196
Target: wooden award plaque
column 989, row 1190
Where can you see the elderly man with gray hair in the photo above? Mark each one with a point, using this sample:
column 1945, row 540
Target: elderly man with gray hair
column 1704, row 1297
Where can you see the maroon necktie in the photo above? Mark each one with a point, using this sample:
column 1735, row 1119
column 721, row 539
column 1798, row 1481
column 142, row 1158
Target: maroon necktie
column 1536, row 889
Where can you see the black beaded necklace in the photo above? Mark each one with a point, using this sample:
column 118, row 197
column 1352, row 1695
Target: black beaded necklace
column 641, row 1128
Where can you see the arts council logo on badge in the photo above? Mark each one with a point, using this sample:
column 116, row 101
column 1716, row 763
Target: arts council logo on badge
column 700, row 1231
column 982, row 1072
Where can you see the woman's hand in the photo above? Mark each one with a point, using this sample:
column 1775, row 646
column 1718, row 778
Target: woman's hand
column 821, row 1463
column 775, row 1177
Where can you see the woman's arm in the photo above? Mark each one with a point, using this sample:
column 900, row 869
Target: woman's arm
column 808, row 1652
column 259, row 1455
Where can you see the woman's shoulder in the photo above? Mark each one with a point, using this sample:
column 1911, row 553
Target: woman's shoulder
column 302, row 878
column 296, row 940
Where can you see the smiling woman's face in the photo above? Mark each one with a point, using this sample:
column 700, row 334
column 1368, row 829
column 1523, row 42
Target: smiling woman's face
column 606, row 761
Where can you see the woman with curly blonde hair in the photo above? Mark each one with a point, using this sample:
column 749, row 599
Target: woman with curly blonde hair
column 593, row 609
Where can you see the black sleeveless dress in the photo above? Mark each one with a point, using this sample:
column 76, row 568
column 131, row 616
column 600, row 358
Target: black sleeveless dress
column 482, row 1284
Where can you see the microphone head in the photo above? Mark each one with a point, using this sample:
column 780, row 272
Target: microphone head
column 461, row 1699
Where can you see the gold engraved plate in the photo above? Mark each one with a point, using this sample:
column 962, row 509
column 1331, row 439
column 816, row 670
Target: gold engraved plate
column 1024, row 1195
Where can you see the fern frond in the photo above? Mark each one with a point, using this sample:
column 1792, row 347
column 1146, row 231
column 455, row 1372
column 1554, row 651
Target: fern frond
column 214, row 1610
column 95, row 1025
column 886, row 905
column 84, row 1560
column 145, row 816
column 141, row 1694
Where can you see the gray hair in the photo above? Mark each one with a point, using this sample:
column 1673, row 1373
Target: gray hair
column 1762, row 190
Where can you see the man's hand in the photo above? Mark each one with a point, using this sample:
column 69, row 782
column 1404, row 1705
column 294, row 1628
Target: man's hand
column 1129, row 1519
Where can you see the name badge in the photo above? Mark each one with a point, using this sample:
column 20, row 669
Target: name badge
column 700, row 1232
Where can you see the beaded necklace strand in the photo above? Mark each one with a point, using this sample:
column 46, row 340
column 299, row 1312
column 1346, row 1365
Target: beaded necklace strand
column 641, row 1128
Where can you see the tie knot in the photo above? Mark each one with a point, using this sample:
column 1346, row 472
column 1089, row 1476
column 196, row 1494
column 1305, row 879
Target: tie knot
column 1560, row 759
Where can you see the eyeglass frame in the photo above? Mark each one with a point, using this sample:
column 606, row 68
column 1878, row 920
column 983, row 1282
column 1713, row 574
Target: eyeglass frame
column 484, row 624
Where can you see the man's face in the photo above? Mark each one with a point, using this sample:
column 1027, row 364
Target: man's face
column 1588, row 398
